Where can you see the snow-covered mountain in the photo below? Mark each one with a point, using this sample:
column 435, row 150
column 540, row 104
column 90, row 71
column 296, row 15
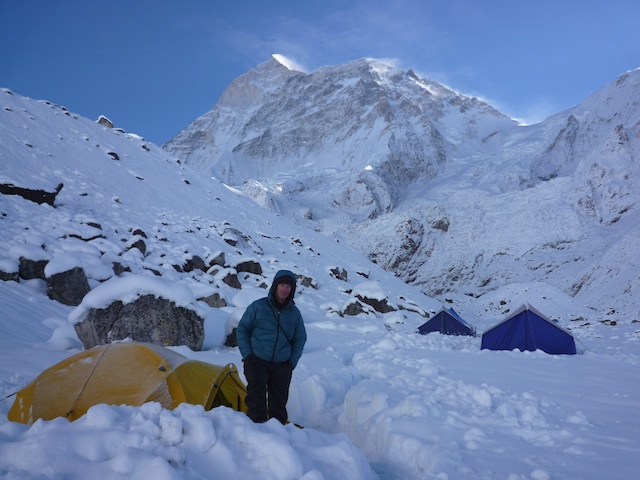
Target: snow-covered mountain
column 388, row 128
column 376, row 399
column 441, row 189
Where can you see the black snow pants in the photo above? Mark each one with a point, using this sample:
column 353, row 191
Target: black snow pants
column 267, row 389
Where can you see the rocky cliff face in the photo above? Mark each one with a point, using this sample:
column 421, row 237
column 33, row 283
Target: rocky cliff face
column 432, row 185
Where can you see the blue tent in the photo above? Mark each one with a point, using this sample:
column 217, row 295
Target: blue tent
column 528, row 329
column 447, row 322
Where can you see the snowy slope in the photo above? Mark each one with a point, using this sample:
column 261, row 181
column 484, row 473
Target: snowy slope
column 376, row 399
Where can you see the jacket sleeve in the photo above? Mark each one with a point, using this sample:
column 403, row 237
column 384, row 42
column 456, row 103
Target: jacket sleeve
column 243, row 332
column 297, row 344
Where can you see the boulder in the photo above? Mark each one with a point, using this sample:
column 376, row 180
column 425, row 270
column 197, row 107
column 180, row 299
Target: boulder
column 249, row 266
column 104, row 121
column 231, row 327
column 372, row 293
column 231, row 340
column 236, row 238
column 379, row 305
column 8, row 276
column 149, row 319
column 139, row 244
column 9, row 270
column 231, row 279
column 68, row 288
column 218, row 259
column 30, row 269
column 214, row 300
column 307, row 281
column 34, row 195
column 195, row 263
column 354, row 307
column 339, row 273
column 441, row 224
column 229, row 276
column 119, row 269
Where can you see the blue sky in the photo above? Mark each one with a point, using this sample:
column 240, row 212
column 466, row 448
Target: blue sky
column 154, row 66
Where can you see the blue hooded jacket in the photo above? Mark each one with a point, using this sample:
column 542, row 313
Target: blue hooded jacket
column 271, row 334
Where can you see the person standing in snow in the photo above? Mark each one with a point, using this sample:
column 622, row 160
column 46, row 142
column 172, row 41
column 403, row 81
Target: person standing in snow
column 271, row 336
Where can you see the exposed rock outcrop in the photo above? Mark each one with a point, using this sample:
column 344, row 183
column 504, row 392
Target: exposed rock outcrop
column 148, row 319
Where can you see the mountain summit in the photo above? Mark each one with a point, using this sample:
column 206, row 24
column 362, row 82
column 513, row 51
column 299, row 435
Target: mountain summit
column 360, row 116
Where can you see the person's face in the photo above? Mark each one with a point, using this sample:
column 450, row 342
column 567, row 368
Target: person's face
column 282, row 292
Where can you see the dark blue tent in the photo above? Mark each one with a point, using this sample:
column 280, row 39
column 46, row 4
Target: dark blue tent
column 528, row 329
column 447, row 322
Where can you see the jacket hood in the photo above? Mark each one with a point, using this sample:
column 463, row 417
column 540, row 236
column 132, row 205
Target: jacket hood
column 290, row 278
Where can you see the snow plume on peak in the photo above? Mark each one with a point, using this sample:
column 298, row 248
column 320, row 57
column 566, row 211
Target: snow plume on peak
column 382, row 66
column 289, row 62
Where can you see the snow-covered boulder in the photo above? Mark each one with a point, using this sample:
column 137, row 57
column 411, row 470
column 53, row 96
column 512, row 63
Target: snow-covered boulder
column 142, row 309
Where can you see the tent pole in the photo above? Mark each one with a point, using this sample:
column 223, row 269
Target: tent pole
column 75, row 402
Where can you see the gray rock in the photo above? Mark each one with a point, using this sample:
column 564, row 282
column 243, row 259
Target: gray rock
column 231, row 279
column 30, row 269
column 148, row 319
column 215, row 300
column 104, row 121
column 68, row 288
column 231, row 340
column 218, row 260
column 8, row 276
column 9, row 270
column 381, row 306
column 354, row 308
column 441, row 224
column 195, row 263
column 249, row 266
column 34, row 195
column 339, row 273
column 140, row 245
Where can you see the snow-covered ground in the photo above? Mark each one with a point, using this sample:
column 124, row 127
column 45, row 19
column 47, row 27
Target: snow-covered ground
column 376, row 399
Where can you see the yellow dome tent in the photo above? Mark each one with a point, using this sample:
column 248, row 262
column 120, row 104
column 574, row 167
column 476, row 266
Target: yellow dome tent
column 129, row 374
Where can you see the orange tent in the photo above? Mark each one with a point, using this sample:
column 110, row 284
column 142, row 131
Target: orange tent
column 129, row 374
